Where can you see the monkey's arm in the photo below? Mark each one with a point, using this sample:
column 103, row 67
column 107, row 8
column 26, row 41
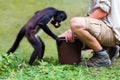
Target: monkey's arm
column 48, row 31
column 42, row 23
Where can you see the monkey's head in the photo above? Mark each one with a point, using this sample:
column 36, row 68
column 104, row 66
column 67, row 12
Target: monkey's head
column 60, row 16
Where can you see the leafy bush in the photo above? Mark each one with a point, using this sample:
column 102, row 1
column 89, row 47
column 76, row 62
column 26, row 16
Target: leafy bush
column 13, row 67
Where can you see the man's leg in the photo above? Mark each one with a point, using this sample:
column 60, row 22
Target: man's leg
column 79, row 28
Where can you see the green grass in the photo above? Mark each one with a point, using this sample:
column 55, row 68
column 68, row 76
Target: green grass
column 50, row 69
column 13, row 15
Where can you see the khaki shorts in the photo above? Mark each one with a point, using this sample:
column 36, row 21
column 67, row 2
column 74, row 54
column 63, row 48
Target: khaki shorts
column 101, row 31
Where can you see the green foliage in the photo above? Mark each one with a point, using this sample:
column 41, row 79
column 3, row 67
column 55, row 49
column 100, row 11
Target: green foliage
column 14, row 14
column 50, row 69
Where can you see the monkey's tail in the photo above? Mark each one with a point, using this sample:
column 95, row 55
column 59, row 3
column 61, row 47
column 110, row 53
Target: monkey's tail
column 17, row 41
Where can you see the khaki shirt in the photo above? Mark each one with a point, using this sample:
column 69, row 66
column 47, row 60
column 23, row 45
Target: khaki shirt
column 113, row 17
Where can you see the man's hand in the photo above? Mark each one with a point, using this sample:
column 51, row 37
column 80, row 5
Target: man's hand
column 69, row 36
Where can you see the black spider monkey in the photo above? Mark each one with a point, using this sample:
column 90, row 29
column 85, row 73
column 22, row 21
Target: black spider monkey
column 37, row 22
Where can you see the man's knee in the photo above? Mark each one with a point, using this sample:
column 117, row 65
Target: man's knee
column 77, row 23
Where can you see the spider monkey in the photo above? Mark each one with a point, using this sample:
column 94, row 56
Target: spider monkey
column 34, row 24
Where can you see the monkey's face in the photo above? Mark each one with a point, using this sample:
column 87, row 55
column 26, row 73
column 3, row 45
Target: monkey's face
column 60, row 16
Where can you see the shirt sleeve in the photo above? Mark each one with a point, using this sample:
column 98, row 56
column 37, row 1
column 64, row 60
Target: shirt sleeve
column 105, row 5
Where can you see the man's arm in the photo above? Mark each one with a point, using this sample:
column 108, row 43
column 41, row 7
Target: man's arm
column 98, row 14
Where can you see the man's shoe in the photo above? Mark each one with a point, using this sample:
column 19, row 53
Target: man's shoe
column 113, row 52
column 98, row 59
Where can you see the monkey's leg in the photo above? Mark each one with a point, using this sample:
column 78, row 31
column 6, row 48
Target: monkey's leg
column 35, row 44
column 41, row 53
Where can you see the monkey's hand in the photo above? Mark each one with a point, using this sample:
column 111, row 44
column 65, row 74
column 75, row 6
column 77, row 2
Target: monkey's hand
column 58, row 41
column 55, row 23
